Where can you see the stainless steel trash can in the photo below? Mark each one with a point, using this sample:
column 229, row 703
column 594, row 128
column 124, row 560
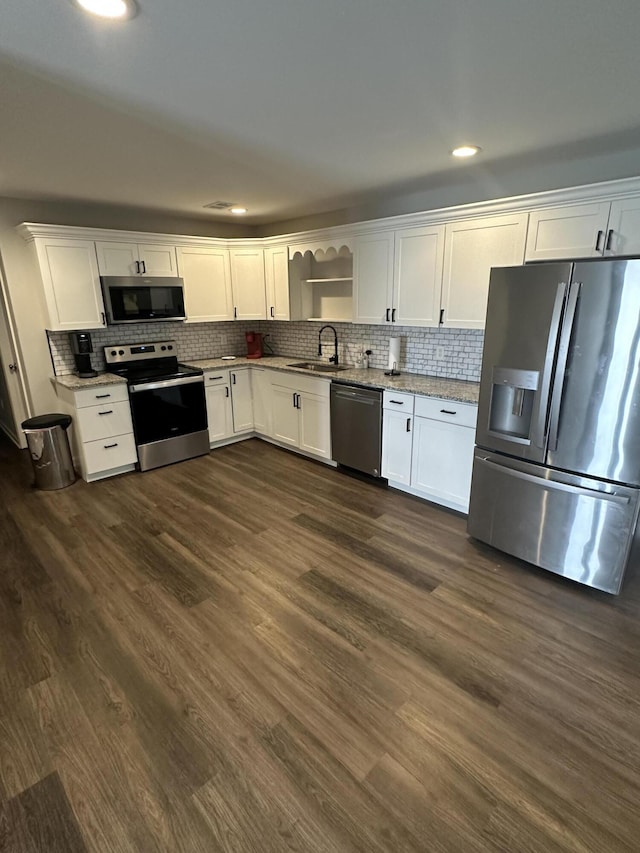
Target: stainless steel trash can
column 49, row 449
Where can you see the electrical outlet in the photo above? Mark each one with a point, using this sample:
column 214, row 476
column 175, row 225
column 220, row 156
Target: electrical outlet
column 439, row 353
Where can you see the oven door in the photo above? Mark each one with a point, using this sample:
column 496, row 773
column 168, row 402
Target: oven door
column 168, row 409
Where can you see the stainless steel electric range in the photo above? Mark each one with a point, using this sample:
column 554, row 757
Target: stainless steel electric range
column 168, row 403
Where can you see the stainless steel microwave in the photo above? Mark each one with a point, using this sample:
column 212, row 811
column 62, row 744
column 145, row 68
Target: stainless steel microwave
column 140, row 299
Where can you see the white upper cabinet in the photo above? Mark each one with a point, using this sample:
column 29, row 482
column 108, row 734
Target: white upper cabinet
column 398, row 276
column 623, row 233
column 150, row 259
column 472, row 247
column 417, row 279
column 248, row 284
column 207, row 283
column 373, row 278
column 71, row 284
column 572, row 231
column 276, row 271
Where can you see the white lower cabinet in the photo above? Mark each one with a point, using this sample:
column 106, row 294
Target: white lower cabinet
column 102, row 430
column 397, row 437
column 428, row 450
column 301, row 413
column 229, row 403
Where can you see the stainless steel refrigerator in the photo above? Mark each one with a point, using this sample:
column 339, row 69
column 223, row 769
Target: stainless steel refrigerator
column 556, row 472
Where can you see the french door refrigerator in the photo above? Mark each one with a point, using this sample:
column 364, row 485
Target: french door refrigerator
column 556, row 472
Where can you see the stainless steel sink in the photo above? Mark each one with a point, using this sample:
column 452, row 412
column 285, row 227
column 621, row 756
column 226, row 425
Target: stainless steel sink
column 318, row 368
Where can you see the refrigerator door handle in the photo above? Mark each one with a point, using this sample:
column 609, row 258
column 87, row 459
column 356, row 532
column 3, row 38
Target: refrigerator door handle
column 539, row 432
column 561, row 363
column 554, row 484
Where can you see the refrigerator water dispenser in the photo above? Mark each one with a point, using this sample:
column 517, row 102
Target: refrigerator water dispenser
column 512, row 397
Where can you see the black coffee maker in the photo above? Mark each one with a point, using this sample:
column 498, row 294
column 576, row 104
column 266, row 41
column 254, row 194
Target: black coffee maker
column 81, row 347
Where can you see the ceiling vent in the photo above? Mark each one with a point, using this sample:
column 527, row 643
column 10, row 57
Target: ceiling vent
column 220, row 205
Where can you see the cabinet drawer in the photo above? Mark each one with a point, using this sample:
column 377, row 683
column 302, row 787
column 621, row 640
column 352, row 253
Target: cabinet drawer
column 299, row 382
column 105, row 454
column 397, row 402
column 450, row 411
column 95, row 422
column 100, row 395
column 216, row 377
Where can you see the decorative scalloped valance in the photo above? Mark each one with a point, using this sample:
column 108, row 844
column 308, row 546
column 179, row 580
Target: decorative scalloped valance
column 323, row 251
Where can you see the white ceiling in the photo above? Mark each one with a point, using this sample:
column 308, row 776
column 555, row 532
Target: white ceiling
column 294, row 106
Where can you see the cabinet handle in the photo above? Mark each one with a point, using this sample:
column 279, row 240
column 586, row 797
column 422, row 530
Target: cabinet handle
column 609, row 239
column 441, row 316
column 108, row 412
column 397, row 402
column 214, row 377
column 104, row 319
column 226, row 390
column 387, row 317
column 102, row 396
column 294, row 401
column 408, row 424
column 233, row 378
column 448, row 412
column 235, row 313
column 599, row 237
column 138, row 266
column 272, row 311
column 109, row 446
column 393, row 315
column 144, row 267
column 298, row 406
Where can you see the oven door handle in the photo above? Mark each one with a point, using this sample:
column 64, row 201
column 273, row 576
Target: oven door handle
column 166, row 383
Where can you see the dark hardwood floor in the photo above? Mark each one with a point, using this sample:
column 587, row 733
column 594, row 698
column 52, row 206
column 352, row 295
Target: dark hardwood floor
column 252, row 652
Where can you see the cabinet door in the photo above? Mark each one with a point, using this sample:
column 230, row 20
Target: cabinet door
column 285, row 416
column 623, row 237
column 247, row 283
column 373, row 278
column 219, row 412
column 71, row 283
column 241, row 402
column 315, row 424
column 276, row 271
column 261, row 394
column 419, row 260
column 442, row 460
column 397, row 439
column 472, row 247
column 157, row 260
column 207, row 283
column 118, row 258
column 573, row 231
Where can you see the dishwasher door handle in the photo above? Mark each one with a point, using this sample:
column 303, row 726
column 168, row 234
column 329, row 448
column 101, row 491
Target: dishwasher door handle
column 355, row 398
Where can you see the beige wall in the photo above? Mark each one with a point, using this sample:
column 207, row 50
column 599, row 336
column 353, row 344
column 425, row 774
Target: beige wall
column 21, row 275
column 482, row 181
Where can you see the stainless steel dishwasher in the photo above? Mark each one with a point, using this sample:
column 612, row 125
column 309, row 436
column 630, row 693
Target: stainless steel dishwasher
column 356, row 427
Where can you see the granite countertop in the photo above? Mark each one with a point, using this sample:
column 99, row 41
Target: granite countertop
column 76, row 384
column 412, row 383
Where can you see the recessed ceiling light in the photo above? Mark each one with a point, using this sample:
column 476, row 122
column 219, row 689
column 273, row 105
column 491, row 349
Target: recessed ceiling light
column 238, row 210
column 465, row 151
column 113, row 9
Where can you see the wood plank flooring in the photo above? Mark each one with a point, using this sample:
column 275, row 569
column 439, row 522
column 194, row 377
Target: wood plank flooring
column 252, row 652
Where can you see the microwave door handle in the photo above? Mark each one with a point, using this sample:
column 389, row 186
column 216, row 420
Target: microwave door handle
column 538, row 436
column 561, row 364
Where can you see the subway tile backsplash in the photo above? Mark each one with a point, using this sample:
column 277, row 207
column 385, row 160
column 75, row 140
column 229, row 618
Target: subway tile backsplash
column 450, row 353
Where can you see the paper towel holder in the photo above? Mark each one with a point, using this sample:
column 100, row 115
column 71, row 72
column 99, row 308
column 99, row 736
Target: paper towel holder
column 393, row 372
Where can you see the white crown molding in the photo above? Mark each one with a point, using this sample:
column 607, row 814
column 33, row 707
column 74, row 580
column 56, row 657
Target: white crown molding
column 334, row 236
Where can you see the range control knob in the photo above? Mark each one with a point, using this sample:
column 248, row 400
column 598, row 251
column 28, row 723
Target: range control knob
column 121, row 352
column 169, row 347
column 113, row 352
column 163, row 347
